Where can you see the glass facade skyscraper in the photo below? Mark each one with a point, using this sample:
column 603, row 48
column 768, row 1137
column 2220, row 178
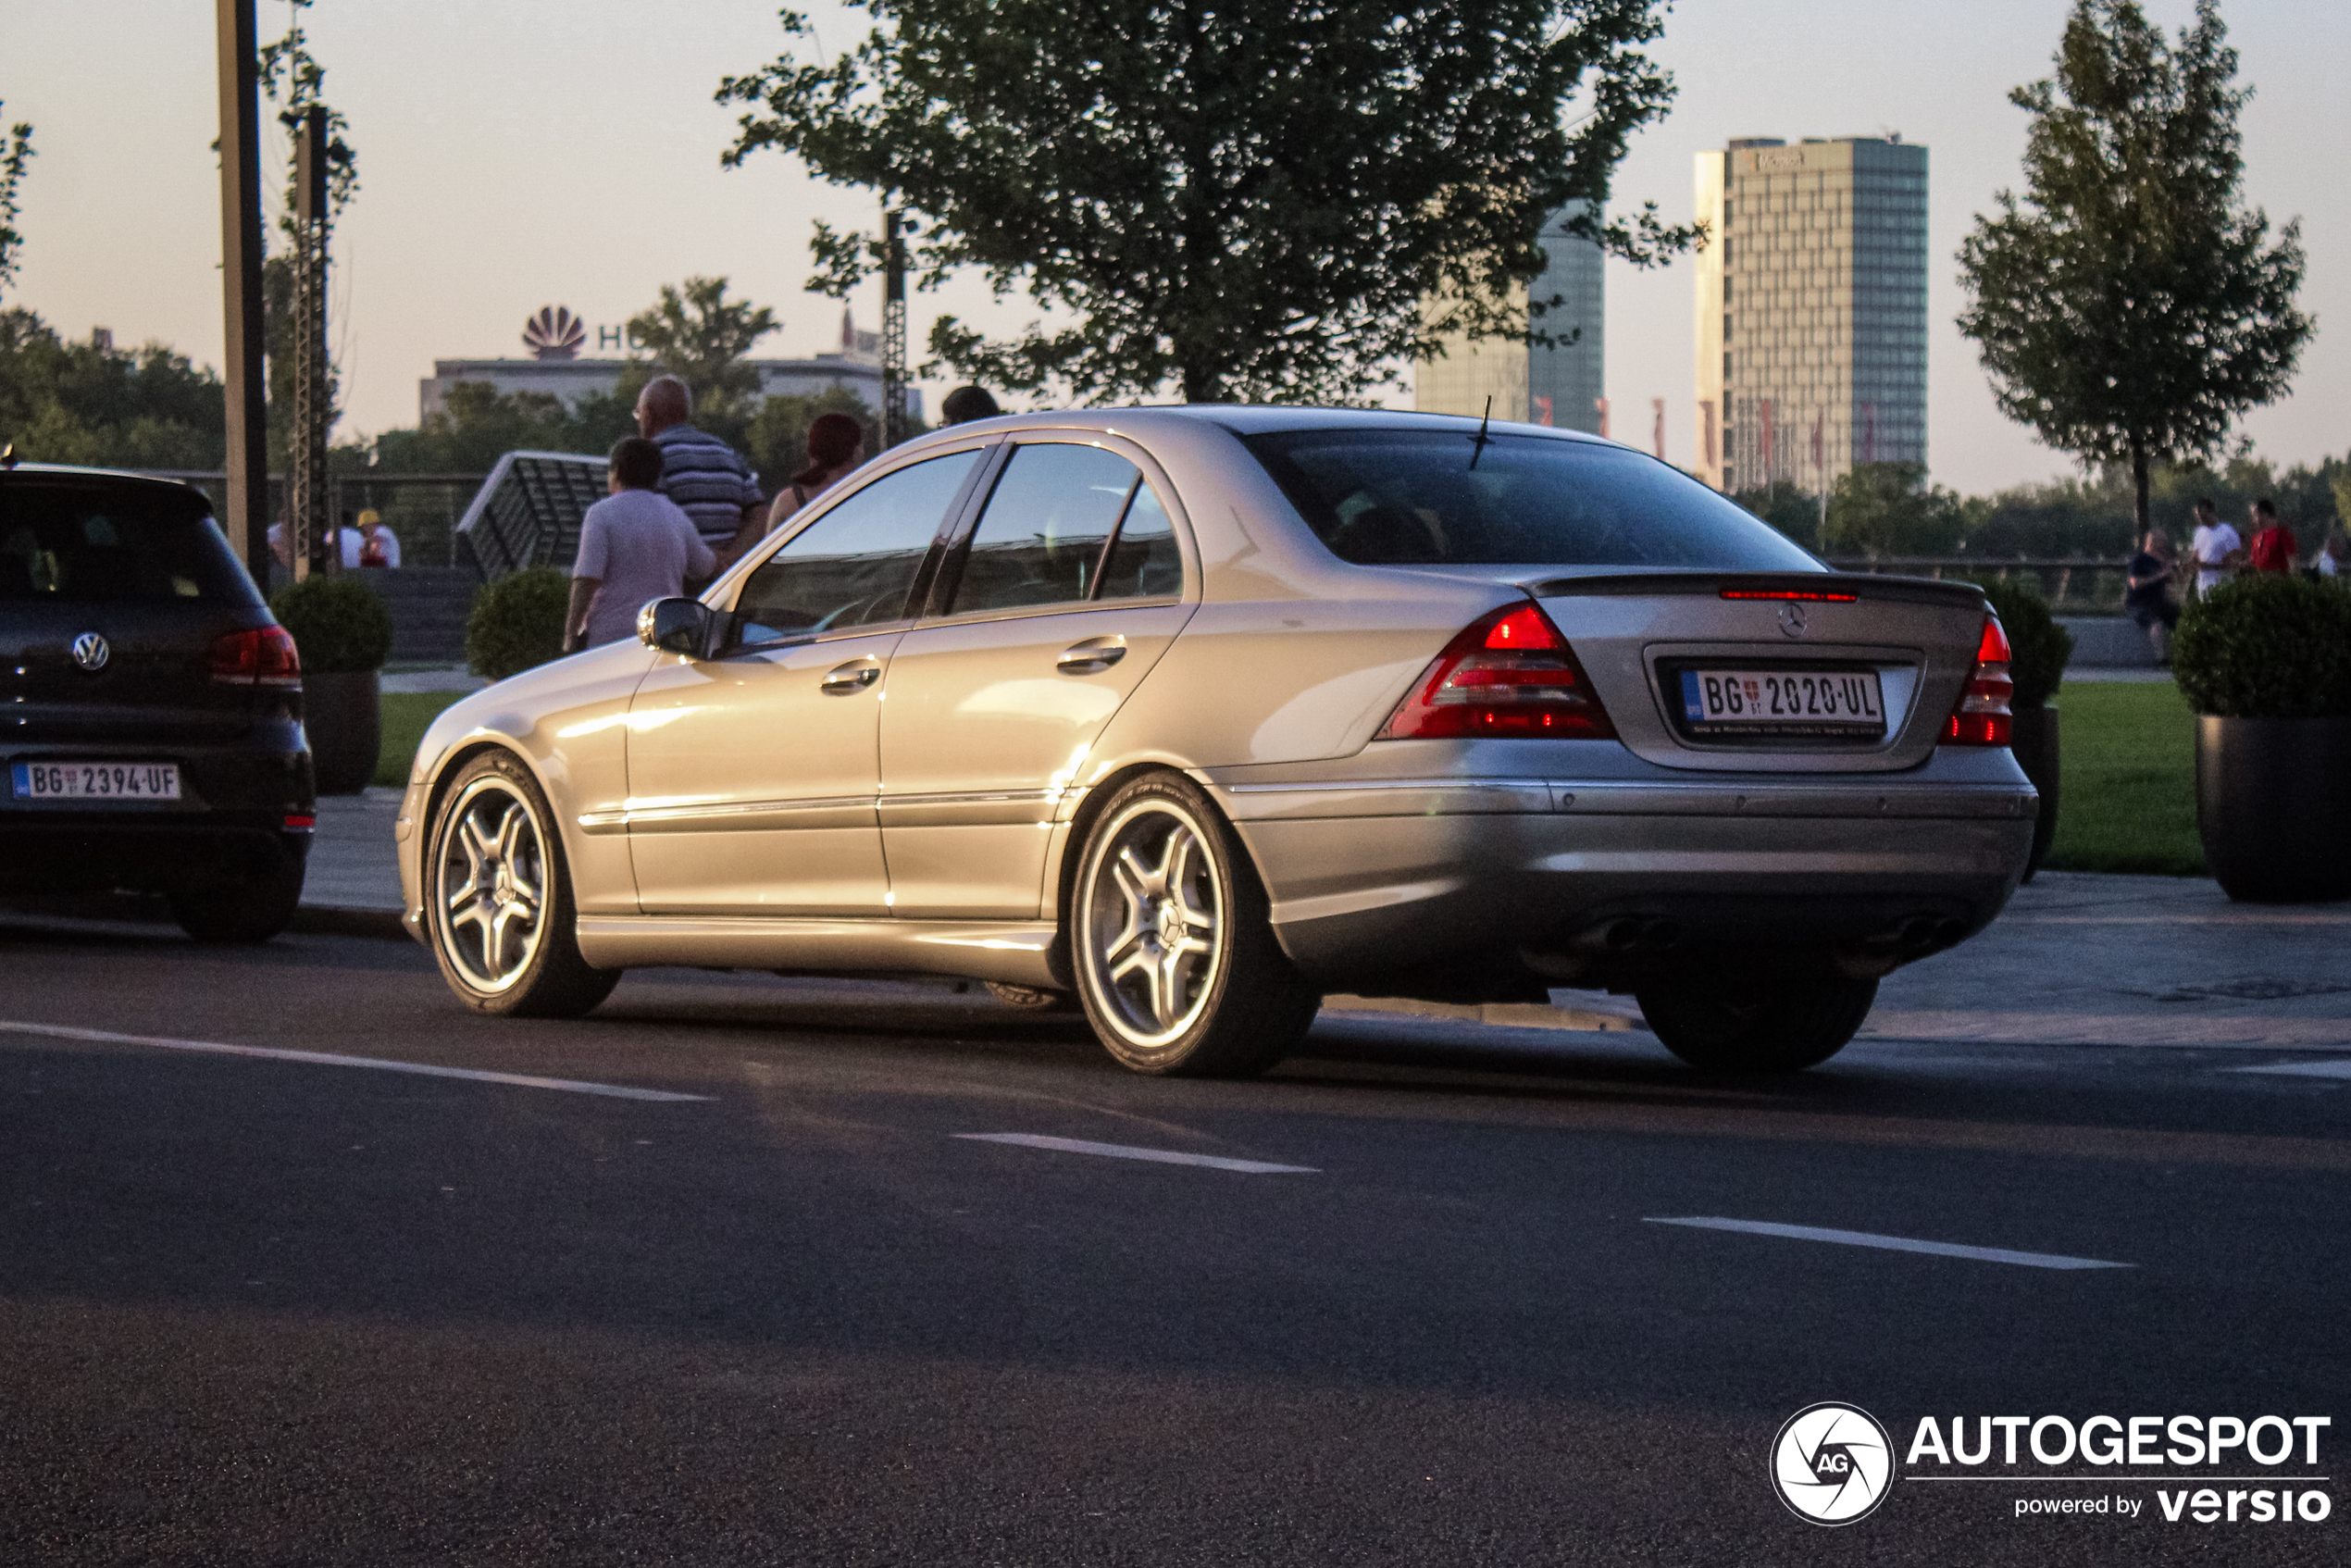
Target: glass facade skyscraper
column 1560, row 386
column 1812, row 310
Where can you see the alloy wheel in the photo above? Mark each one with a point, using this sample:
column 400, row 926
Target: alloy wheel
column 1153, row 922
column 491, row 883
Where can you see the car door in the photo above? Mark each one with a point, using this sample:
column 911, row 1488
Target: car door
column 1046, row 618
column 751, row 774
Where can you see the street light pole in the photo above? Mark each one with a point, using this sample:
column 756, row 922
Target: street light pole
column 247, row 502
column 309, row 528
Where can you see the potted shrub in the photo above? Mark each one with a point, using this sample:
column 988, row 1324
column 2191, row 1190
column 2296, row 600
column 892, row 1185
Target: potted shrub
column 517, row 622
column 344, row 633
column 2039, row 649
column 2265, row 663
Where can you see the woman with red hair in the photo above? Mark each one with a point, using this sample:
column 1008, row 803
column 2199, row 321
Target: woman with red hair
column 836, row 445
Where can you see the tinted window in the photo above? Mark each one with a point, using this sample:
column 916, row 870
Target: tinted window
column 1042, row 538
column 1388, row 497
column 1144, row 564
column 81, row 543
column 854, row 565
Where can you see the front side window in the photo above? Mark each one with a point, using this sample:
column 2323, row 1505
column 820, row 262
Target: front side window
column 855, row 565
column 1410, row 498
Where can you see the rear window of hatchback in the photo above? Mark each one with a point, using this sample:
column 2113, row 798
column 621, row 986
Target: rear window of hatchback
column 85, row 542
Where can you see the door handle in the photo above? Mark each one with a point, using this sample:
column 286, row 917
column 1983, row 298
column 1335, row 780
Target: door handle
column 1091, row 656
column 847, row 680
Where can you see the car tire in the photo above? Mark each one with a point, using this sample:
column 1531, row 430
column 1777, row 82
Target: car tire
column 497, row 896
column 1176, row 962
column 241, row 907
column 1799, row 1025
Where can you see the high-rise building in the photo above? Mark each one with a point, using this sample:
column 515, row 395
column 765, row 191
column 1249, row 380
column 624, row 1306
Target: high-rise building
column 1811, row 309
column 1560, row 386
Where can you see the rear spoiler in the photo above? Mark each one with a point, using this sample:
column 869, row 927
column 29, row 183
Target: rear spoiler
column 1865, row 587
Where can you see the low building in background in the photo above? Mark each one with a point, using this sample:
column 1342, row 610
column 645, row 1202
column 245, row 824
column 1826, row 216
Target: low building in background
column 1560, row 386
column 1811, row 309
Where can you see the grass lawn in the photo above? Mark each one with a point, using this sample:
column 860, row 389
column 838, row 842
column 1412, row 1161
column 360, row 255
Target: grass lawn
column 405, row 714
column 2127, row 795
column 2127, row 803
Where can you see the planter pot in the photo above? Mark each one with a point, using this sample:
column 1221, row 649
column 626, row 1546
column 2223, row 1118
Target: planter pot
column 2273, row 807
column 2034, row 741
column 344, row 718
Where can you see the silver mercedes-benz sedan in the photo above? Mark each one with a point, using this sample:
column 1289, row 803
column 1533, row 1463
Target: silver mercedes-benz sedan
column 1196, row 714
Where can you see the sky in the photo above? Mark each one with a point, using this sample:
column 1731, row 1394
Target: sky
column 567, row 152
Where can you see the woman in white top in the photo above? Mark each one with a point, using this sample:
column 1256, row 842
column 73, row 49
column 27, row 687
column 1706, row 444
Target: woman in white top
column 836, row 445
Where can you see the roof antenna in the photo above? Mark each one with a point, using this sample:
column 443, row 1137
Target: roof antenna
column 1482, row 439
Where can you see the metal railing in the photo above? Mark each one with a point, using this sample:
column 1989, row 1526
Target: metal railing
column 527, row 512
column 2085, row 585
column 421, row 510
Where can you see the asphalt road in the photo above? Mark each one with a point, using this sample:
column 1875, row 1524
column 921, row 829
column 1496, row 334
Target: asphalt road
column 255, row 1310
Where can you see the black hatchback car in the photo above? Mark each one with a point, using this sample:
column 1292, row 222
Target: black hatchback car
column 151, row 730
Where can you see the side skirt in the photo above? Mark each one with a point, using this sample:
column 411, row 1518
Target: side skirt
column 1019, row 952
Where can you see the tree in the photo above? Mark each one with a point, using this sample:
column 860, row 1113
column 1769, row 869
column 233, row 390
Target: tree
column 700, row 336
column 1889, row 509
column 16, row 154
column 1246, row 199
column 2130, row 308
column 1788, row 508
column 292, row 78
column 112, row 409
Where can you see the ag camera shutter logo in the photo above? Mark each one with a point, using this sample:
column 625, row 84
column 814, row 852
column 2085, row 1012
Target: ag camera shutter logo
column 1832, row 1463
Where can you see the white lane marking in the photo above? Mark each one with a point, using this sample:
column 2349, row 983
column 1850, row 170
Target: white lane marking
column 2339, row 1068
column 1895, row 1243
column 1128, row 1152
column 327, row 1059
column 2103, row 1029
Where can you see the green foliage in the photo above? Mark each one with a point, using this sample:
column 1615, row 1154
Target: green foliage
column 2040, row 648
column 338, row 623
column 517, row 622
column 109, row 408
column 2267, row 646
column 2128, row 790
column 2130, row 308
column 1250, row 200
column 1788, row 508
column 698, row 335
column 477, row 425
column 15, row 155
column 1889, row 509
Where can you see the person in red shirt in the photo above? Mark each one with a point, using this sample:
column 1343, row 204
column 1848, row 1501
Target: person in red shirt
column 2274, row 548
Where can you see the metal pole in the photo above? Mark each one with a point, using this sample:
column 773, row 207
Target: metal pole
column 247, row 480
column 893, row 331
column 309, row 523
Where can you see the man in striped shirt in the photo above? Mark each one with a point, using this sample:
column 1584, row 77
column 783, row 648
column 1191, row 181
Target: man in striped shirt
column 707, row 479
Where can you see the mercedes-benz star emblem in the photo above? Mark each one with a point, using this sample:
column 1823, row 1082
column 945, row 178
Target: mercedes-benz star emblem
column 1792, row 618
column 90, row 651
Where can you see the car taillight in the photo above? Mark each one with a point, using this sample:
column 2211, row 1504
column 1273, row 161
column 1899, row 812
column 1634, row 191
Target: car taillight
column 1510, row 676
column 263, row 656
column 1984, row 716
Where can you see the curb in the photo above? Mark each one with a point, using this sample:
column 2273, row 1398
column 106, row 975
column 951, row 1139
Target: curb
column 382, row 923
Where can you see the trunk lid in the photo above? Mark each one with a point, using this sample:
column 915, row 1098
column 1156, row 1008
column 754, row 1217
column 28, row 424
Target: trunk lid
column 1808, row 657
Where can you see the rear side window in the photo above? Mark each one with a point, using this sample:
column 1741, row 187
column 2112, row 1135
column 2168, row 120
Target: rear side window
column 1411, row 498
column 855, row 565
column 97, row 544
column 1067, row 524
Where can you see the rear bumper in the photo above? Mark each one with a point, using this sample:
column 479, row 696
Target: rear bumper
column 1595, row 882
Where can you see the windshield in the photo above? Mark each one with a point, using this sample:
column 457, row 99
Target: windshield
column 1411, row 498
column 82, row 543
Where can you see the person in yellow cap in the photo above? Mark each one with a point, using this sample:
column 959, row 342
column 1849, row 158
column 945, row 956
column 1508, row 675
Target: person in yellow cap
column 377, row 545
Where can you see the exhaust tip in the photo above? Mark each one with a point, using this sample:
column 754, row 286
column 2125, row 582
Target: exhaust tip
column 1661, row 933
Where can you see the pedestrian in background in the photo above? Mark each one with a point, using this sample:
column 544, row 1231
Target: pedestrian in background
column 636, row 546
column 706, row 477
column 967, row 404
column 836, row 445
column 377, row 545
column 2334, row 556
column 2218, row 550
column 2274, row 548
column 2147, row 600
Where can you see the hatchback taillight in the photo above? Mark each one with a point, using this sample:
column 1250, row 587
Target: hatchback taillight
column 1984, row 716
column 1510, row 676
column 263, row 656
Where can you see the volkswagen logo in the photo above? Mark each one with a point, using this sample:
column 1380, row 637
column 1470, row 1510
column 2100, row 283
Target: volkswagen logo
column 1832, row 1463
column 1792, row 618
column 90, row 651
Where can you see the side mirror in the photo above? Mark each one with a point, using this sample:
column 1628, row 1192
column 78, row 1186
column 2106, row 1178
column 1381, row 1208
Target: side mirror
column 675, row 625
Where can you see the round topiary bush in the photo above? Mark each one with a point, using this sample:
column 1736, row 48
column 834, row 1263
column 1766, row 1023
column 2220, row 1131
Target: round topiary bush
column 2267, row 646
column 517, row 622
column 339, row 625
column 2039, row 647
